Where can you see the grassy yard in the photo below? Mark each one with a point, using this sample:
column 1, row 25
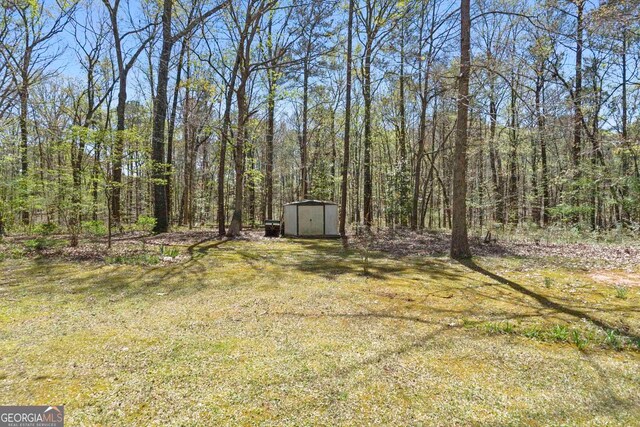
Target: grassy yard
column 296, row 333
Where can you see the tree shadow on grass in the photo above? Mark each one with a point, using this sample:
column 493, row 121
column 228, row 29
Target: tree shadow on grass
column 546, row 302
column 608, row 397
column 203, row 249
column 331, row 259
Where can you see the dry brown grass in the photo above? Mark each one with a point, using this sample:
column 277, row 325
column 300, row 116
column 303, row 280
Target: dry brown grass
column 279, row 332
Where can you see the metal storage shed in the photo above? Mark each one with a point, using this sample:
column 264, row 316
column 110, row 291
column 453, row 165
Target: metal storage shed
column 311, row 218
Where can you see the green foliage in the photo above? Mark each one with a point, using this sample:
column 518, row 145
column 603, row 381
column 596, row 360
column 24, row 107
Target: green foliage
column 499, row 327
column 145, row 223
column 136, row 259
column 532, row 332
column 621, row 292
column 12, row 252
column 581, row 337
column 612, row 339
column 323, row 183
column 579, row 340
column 397, row 191
column 567, row 213
column 45, row 229
column 39, row 244
column 96, row 228
column 169, row 251
column 558, row 333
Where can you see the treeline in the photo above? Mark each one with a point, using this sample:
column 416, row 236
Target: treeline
column 217, row 112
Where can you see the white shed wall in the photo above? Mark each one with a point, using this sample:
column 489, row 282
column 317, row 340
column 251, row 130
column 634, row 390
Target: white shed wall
column 290, row 220
column 331, row 220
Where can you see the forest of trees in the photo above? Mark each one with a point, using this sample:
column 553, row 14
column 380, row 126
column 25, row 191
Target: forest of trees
column 216, row 112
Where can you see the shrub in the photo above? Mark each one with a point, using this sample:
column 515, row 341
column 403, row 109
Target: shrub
column 38, row 244
column 145, row 223
column 45, row 229
column 96, row 228
column 570, row 213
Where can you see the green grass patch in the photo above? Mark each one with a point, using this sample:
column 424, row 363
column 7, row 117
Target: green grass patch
column 622, row 291
column 135, row 259
column 40, row 243
column 591, row 338
column 169, row 251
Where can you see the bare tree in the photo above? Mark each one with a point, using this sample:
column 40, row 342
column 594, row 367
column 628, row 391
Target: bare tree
column 459, row 240
column 246, row 28
column 377, row 20
column 90, row 37
column 27, row 56
column 126, row 57
column 347, row 126
column 160, row 107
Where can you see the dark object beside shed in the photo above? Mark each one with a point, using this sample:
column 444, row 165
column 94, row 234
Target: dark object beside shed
column 271, row 228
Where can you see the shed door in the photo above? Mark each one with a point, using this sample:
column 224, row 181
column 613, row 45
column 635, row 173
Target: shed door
column 310, row 220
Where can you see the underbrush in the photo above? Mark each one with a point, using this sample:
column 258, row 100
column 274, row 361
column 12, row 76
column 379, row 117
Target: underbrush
column 560, row 234
column 57, row 248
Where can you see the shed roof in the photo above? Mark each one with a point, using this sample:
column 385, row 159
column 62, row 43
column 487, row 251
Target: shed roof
column 307, row 202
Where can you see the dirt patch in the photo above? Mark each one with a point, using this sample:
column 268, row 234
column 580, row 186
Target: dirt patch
column 579, row 255
column 395, row 243
column 616, row 278
column 136, row 246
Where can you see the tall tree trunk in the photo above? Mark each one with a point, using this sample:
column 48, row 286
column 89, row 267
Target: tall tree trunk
column 494, row 160
column 625, row 141
column 305, row 132
column 159, row 118
column 367, row 184
column 118, row 149
column 543, row 146
column 334, row 153
column 251, row 188
column 236, row 219
column 577, row 116
column 402, row 137
column 596, row 157
column 171, row 130
column 24, row 138
column 224, row 141
column 271, row 107
column 513, row 207
column 419, row 157
column 76, row 193
column 347, row 127
column 424, row 101
column 94, row 180
column 188, row 148
column 459, row 240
